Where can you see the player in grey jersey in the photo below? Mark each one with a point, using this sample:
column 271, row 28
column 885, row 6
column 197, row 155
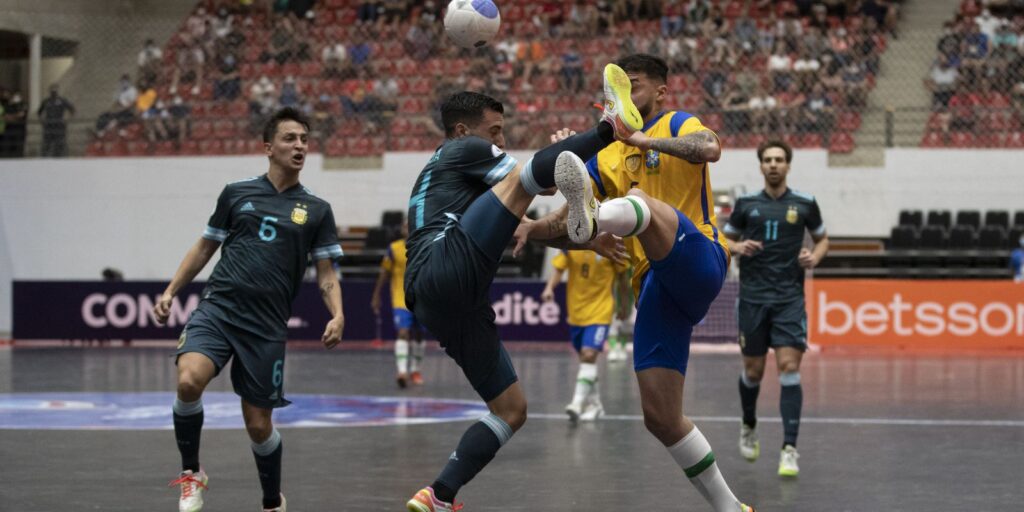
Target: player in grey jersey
column 269, row 225
column 767, row 229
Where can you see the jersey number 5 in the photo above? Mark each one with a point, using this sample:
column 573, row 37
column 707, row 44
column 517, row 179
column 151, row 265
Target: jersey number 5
column 267, row 230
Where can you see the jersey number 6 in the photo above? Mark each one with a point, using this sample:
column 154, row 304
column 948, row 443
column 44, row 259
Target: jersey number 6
column 267, row 230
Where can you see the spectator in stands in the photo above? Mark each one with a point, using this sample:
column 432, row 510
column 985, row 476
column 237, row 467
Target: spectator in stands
column 950, row 41
column 221, row 24
column 550, row 17
column 762, row 107
column 975, row 50
column 147, row 110
column 779, row 66
column 123, row 110
column 700, row 11
column 188, row 67
column 942, row 81
column 805, row 69
column 745, row 32
column 178, row 122
column 680, row 53
column 335, row 60
column 713, row 86
column 282, row 43
column 673, row 18
column 323, row 119
column 149, row 61
column 228, row 85
column 735, row 110
column 790, row 104
column 818, row 114
column 987, row 24
column 531, row 55
column 290, row 94
column 855, row 83
column 605, row 18
column 52, row 112
column 419, row 41
column 15, row 118
column 359, row 52
column 572, row 69
column 369, row 11
column 503, row 76
column 395, row 11
column 262, row 98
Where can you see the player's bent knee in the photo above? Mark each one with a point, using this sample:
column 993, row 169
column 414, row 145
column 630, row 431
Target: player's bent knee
column 666, row 429
column 259, row 430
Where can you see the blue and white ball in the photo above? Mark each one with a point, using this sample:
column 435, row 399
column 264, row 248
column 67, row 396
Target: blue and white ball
column 472, row 23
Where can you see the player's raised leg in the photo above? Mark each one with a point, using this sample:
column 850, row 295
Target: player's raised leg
column 195, row 371
column 266, row 449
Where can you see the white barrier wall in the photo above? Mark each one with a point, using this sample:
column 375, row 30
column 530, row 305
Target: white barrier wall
column 68, row 219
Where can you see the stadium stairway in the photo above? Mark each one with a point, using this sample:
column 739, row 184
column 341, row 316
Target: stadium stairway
column 899, row 85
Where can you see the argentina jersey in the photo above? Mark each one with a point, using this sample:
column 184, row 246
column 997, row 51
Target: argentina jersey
column 459, row 172
column 268, row 237
column 774, row 273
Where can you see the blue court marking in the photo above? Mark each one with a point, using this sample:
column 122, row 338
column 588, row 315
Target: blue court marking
column 152, row 411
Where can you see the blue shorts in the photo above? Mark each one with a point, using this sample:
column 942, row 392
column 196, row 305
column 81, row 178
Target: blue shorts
column 404, row 319
column 588, row 336
column 675, row 295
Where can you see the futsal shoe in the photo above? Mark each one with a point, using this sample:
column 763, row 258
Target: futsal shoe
column 787, row 462
column 283, row 507
column 417, row 378
column 573, row 410
column 750, row 447
column 746, row 508
column 574, row 182
column 592, row 411
column 402, row 379
column 424, row 501
column 192, row 487
column 619, row 110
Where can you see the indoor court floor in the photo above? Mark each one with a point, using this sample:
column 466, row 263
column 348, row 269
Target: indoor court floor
column 89, row 429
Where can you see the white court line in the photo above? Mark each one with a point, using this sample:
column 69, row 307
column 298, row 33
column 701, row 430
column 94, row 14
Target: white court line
column 904, row 422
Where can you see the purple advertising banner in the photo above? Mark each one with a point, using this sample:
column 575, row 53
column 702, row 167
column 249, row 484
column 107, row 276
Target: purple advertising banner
column 123, row 310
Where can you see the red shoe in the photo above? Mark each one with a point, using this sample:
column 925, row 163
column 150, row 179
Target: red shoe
column 424, row 501
column 417, row 378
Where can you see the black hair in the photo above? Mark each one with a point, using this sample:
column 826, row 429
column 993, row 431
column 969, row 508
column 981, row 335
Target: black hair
column 764, row 146
column 285, row 114
column 653, row 67
column 467, row 108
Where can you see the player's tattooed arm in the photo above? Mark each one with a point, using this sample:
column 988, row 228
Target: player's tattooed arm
column 696, row 147
column 326, row 289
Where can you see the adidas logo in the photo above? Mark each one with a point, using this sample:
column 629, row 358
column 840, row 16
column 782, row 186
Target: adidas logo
column 755, row 213
column 248, row 207
column 274, row 396
column 454, row 457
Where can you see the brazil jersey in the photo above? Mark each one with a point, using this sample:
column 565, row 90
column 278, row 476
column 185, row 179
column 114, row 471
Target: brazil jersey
column 459, row 171
column 774, row 274
column 267, row 237
column 683, row 185
column 394, row 264
column 589, row 294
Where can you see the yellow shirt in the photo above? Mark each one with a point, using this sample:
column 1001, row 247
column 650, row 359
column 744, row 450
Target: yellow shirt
column 685, row 186
column 589, row 291
column 394, row 263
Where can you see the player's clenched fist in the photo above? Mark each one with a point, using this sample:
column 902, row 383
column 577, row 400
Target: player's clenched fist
column 162, row 308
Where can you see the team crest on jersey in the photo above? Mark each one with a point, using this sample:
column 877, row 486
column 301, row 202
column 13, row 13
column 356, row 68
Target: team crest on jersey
column 792, row 215
column 743, row 341
column 182, row 338
column 653, row 159
column 633, row 163
column 299, row 214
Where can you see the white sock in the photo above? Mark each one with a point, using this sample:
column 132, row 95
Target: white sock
column 402, row 355
column 419, row 348
column 585, row 380
column 624, row 216
column 694, row 455
column 595, row 391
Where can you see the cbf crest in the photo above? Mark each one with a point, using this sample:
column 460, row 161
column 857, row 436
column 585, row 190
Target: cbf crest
column 653, row 159
column 300, row 214
column 792, row 215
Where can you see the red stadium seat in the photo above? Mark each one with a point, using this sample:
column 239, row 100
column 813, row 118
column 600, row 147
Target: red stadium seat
column 961, row 139
column 933, row 139
column 841, row 143
column 848, row 121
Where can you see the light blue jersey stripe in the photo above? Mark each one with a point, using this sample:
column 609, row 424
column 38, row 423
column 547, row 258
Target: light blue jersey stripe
column 217, row 235
column 501, row 170
column 328, row 252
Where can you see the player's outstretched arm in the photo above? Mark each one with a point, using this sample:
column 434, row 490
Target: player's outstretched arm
column 697, row 147
column 330, row 292
column 552, row 231
column 548, row 294
column 195, row 259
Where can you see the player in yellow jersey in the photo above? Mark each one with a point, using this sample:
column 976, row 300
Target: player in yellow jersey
column 392, row 268
column 660, row 196
column 589, row 299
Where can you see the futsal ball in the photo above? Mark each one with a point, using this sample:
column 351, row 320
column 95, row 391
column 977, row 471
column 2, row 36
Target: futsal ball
column 472, row 23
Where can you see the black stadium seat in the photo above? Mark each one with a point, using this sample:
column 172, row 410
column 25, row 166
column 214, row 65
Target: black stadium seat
column 376, row 238
column 970, row 218
column 911, row 218
column 903, row 238
column 1018, row 218
column 933, row 236
column 961, row 237
column 992, row 238
column 1013, row 240
column 999, row 218
column 940, row 218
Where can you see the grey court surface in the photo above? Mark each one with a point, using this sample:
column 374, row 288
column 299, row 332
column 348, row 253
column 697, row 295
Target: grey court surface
column 881, row 432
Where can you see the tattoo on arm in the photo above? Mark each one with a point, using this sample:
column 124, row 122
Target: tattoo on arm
column 557, row 228
column 694, row 147
column 326, row 289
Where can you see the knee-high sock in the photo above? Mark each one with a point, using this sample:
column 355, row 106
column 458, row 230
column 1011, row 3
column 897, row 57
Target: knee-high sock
column 624, row 216
column 539, row 172
column 402, row 355
column 476, row 448
column 586, row 378
column 268, row 464
column 791, row 400
column 188, row 426
column 748, row 399
column 694, row 455
column 419, row 348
